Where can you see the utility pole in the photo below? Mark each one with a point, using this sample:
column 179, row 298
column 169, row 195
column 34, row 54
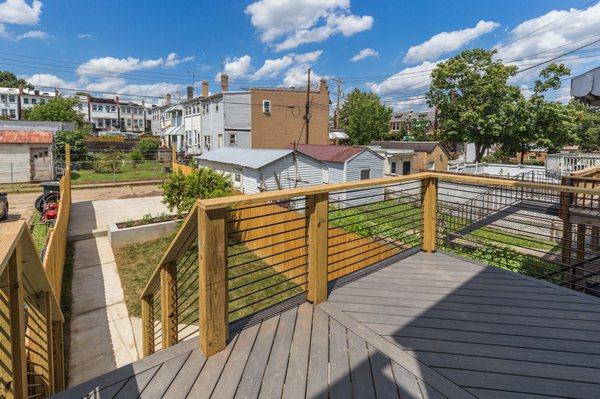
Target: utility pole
column 338, row 93
column 307, row 111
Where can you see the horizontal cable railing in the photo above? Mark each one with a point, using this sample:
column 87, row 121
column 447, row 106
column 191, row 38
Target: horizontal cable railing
column 239, row 255
column 523, row 229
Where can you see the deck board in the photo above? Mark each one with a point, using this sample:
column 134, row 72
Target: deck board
column 429, row 326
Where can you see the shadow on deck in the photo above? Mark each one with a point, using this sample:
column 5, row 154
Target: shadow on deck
column 426, row 326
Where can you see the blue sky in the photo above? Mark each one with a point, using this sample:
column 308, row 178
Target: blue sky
column 389, row 47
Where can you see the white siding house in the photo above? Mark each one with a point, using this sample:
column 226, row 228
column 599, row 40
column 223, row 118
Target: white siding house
column 253, row 171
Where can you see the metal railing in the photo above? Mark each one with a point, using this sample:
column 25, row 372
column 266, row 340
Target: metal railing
column 238, row 255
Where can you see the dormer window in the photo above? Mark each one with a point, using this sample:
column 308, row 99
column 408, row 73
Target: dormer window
column 266, row 106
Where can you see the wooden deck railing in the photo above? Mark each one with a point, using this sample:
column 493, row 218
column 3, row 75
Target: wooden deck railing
column 31, row 319
column 237, row 255
column 54, row 256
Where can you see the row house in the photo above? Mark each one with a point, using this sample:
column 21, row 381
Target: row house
column 14, row 101
column 257, row 118
column 111, row 114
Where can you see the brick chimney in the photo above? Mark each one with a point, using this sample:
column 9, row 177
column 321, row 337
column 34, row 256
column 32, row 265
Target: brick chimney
column 204, row 88
column 168, row 99
column 224, row 82
column 189, row 92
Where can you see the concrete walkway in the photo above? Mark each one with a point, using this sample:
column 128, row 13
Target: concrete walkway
column 102, row 336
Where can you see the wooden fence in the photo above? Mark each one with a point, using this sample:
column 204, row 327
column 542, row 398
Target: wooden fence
column 176, row 166
column 31, row 360
column 54, row 257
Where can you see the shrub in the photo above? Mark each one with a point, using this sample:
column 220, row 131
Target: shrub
column 108, row 162
column 136, row 157
column 181, row 191
column 147, row 147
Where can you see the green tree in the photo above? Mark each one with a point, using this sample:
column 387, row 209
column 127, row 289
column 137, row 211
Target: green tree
column 473, row 98
column 180, row 191
column 9, row 79
column 77, row 141
column 364, row 118
column 587, row 127
column 536, row 122
column 148, row 147
column 58, row 109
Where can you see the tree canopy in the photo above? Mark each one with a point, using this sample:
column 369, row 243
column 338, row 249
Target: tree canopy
column 9, row 79
column 473, row 98
column 364, row 118
column 587, row 127
column 59, row 109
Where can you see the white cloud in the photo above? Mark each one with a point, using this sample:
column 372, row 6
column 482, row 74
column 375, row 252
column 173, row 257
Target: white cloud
column 445, row 42
column 407, row 80
column 236, row 67
column 415, row 103
column 18, row 12
column 575, row 26
column 3, row 31
column 298, row 76
column 172, row 60
column 85, row 36
column 46, row 79
column 364, row 53
column 115, row 66
column 304, row 21
column 32, row 34
column 273, row 68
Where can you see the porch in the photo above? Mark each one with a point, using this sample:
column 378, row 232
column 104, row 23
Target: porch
column 424, row 326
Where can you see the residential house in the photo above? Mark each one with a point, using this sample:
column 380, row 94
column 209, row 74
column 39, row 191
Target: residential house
column 257, row 118
column 344, row 164
column 396, row 161
column 428, row 155
column 403, row 121
column 253, row 171
column 114, row 115
column 26, row 150
column 14, row 100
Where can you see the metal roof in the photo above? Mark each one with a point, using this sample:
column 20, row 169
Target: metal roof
column 331, row 153
column 174, row 131
column 586, row 87
column 417, row 146
column 244, row 157
column 19, row 137
column 338, row 135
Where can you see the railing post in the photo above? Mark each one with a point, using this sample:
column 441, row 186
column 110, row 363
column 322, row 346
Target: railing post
column 147, row 326
column 317, row 210
column 168, row 304
column 567, row 230
column 46, row 307
column 17, row 323
column 212, row 278
column 429, row 210
column 59, row 366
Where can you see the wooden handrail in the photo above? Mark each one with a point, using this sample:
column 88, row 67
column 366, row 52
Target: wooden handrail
column 266, row 196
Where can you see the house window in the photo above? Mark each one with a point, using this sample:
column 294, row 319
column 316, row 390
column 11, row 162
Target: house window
column 4, row 112
column 25, row 100
column 365, row 174
column 207, row 142
column 393, row 167
column 13, row 114
column 34, row 101
column 266, row 106
column 237, row 177
column 431, row 165
column 11, row 98
column 232, row 139
column 216, row 107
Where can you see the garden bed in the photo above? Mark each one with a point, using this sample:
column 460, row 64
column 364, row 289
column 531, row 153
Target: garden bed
column 138, row 231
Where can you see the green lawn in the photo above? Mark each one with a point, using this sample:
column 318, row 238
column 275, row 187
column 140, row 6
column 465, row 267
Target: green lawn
column 253, row 285
column 39, row 231
column 401, row 222
column 146, row 170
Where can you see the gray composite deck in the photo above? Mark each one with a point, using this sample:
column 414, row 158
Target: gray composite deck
column 427, row 326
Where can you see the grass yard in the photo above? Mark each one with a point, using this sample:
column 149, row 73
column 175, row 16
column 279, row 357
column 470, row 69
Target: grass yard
column 253, row 284
column 401, row 222
column 146, row 170
column 39, row 231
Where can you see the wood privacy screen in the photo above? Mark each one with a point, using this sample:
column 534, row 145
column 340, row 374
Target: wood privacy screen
column 31, row 360
column 54, row 258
